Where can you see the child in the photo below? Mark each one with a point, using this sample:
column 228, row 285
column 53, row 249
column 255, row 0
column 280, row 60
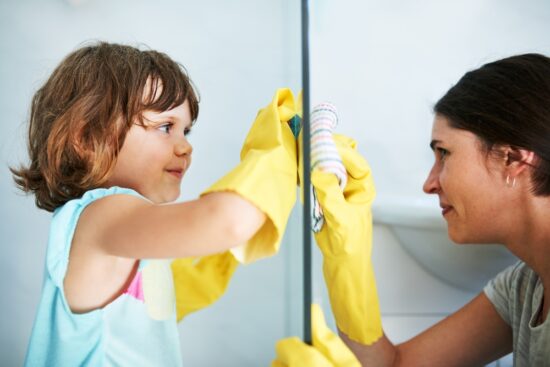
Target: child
column 108, row 151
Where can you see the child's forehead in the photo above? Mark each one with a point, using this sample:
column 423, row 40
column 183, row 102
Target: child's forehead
column 157, row 98
column 152, row 90
column 181, row 113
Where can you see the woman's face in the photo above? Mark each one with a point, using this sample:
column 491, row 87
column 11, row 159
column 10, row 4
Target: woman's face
column 469, row 184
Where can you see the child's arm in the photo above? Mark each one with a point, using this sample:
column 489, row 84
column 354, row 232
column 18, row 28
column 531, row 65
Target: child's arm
column 251, row 204
column 116, row 230
column 127, row 226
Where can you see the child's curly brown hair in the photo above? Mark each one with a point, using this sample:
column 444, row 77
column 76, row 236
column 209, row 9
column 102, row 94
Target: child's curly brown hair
column 79, row 118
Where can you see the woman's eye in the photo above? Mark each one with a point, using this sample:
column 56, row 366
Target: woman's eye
column 442, row 152
column 165, row 128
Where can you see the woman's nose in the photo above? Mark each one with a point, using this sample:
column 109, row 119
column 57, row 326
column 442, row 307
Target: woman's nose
column 431, row 185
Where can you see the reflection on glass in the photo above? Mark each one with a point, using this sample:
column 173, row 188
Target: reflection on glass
column 384, row 65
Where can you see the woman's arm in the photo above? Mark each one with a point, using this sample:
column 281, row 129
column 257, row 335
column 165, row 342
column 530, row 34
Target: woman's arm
column 473, row 336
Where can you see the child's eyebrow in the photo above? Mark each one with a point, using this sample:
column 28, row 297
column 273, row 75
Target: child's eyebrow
column 163, row 116
column 166, row 114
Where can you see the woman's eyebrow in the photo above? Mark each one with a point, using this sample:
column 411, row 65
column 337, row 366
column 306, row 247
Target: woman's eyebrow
column 433, row 143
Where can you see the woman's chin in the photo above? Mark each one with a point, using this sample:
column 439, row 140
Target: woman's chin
column 457, row 236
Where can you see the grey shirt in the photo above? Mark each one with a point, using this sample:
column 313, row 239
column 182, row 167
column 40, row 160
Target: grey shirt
column 517, row 294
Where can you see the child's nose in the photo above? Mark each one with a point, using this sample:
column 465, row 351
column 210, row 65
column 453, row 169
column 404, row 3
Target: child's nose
column 183, row 147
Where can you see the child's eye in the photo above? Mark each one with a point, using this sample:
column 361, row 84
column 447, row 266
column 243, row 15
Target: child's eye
column 187, row 131
column 165, row 127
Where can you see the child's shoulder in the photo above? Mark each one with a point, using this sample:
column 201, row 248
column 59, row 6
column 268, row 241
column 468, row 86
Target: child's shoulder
column 94, row 195
column 98, row 200
column 78, row 228
column 87, row 285
column 88, row 216
column 101, row 206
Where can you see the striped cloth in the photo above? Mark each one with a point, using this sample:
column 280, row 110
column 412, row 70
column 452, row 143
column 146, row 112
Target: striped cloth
column 324, row 155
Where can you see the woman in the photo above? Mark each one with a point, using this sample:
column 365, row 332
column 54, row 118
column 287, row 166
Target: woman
column 491, row 140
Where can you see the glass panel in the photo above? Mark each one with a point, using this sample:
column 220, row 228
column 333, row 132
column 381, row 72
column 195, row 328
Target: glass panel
column 384, row 65
column 237, row 54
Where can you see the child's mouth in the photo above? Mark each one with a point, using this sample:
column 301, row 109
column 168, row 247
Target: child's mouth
column 176, row 172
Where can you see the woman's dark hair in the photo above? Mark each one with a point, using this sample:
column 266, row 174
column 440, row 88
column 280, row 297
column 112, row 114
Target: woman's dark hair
column 506, row 103
column 79, row 118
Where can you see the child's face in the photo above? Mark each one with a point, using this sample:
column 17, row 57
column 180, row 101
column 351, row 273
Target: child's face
column 154, row 157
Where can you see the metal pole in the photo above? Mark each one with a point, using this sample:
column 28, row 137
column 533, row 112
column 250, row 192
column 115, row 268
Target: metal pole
column 305, row 176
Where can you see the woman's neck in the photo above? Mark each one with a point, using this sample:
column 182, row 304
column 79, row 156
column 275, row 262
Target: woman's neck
column 531, row 242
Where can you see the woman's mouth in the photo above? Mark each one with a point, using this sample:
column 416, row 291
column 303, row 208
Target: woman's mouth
column 445, row 209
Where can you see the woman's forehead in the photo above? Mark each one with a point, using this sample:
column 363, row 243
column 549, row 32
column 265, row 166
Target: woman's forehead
column 444, row 133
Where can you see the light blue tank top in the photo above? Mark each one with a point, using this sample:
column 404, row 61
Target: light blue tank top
column 139, row 328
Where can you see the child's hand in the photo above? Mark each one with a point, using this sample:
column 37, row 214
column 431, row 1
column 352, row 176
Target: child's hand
column 267, row 175
column 328, row 349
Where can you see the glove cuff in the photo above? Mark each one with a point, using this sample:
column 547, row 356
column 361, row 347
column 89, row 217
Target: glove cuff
column 268, row 181
column 354, row 299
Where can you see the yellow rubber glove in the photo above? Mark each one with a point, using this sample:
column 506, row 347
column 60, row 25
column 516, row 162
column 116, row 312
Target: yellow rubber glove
column 200, row 282
column 266, row 175
column 328, row 349
column 346, row 242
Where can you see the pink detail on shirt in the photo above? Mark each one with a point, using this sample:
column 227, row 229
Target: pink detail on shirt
column 136, row 288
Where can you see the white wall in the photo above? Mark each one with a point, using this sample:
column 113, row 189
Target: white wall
column 384, row 64
column 237, row 53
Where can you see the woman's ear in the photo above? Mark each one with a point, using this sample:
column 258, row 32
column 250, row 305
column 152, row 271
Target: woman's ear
column 517, row 160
